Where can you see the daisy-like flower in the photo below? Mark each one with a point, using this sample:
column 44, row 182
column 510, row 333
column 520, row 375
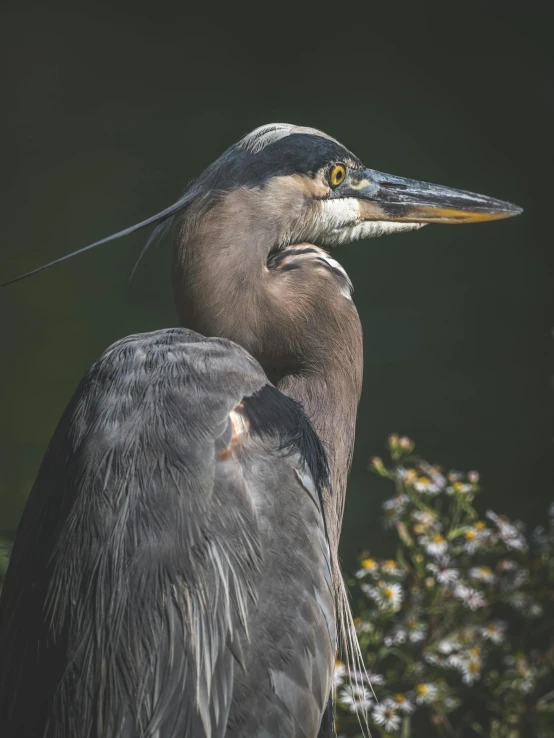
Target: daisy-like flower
column 519, row 576
column 425, row 518
column 435, row 544
column 459, row 488
column 507, row 565
column 402, row 703
column 471, row 671
column 454, row 476
column 448, row 645
column 369, row 677
column 525, row 685
column 523, row 677
column 369, row 566
column 408, row 476
column 426, row 693
column 355, row 697
column 450, row 703
column 394, row 508
column 482, row 574
column 406, row 444
column 519, row 601
column 437, row 659
column 416, row 630
column 494, row 631
column 390, row 567
column 386, row 595
column 435, row 473
column 386, row 714
column 427, row 486
column 511, row 536
column 363, row 626
column 476, row 536
column 473, row 477
column 396, row 637
column 339, row 674
column 443, row 572
column 470, row 597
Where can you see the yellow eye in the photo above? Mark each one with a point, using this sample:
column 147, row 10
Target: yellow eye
column 337, row 174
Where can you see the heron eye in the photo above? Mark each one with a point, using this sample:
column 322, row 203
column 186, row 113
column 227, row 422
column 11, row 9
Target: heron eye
column 337, row 174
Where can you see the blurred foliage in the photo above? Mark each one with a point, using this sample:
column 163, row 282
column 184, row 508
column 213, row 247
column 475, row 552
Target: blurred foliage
column 456, row 631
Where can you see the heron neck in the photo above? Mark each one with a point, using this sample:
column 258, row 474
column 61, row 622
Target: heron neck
column 330, row 399
column 310, row 348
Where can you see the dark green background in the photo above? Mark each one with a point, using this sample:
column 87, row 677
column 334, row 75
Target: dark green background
column 109, row 110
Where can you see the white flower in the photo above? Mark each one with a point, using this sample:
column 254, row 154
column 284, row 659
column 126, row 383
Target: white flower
column 511, row 536
column 386, row 715
column 396, row 503
column 427, row 486
column 406, row 475
column 507, row 565
column 435, row 544
column 471, row 671
column 386, row 595
column 402, row 703
column 369, row 566
column 390, row 567
column 396, row 637
column 454, row 476
column 444, row 573
column 518, row 600
column 494, row 631
column 436, row 659
column 434, row 473
column 339, row 674
column 363, row 626
column 426, row 518
column 448, row 645
column 459, row 488
column 482, row 574
column 451, row 703
column 476, row 537
column 525, row 685
column 417, row 632
column 426, row 693
column 366, row 676
column 471, row 598
column 356, row 697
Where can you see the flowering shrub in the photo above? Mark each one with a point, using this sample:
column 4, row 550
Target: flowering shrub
column 457, row 632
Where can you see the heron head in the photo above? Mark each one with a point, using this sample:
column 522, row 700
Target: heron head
column 293, row 184
column 309, row 187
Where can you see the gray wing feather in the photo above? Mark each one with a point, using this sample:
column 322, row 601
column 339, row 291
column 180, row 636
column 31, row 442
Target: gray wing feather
column 171, row 588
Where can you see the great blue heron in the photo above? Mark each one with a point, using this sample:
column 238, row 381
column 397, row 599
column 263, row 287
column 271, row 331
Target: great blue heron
column 175, row 570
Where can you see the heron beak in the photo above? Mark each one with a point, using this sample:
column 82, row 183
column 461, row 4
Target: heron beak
column 385, row 197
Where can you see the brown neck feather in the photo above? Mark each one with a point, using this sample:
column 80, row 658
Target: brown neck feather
column 297, row 324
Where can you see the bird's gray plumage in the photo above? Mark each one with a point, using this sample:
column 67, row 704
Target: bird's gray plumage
column 196, row 571
column 176, row 569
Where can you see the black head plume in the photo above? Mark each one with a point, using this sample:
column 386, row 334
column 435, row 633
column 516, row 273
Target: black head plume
column 163, row 219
